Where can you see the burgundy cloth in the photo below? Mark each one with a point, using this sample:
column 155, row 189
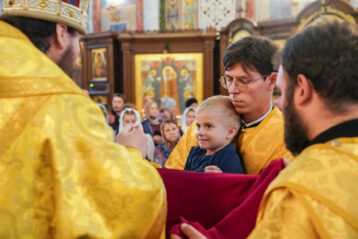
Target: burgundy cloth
column 218, row 205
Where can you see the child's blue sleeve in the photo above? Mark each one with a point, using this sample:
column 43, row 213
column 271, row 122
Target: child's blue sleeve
column 230, row 163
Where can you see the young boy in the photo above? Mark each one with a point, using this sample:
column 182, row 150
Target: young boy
column 217, row 124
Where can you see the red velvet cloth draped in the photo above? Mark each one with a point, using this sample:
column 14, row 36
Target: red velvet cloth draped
column 218, row 205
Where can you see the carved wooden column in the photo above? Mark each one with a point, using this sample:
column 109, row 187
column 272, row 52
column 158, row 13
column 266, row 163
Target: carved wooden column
column 208, row 81
column 127, row 66
column 223, row 45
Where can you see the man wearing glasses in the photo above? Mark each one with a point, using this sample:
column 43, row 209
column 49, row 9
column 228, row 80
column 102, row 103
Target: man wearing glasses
column 250, row 80
column 316, row 195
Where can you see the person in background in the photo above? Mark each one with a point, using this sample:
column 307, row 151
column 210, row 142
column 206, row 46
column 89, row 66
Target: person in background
column 104, row 111
column 102, row 106
column 131, row 118
column 171, row 135
column 167, row 109
column 276, row 99
column 217, row 123
column 118, row 102
column 151, row 124
column 130, row 105
column 191, row 102
column 186, row 119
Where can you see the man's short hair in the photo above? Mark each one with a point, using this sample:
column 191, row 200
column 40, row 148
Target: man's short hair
column 190, row 101
column 124, row 98
column 224, row 105
column 252, row 53
column 327, row 54
column 38, row 31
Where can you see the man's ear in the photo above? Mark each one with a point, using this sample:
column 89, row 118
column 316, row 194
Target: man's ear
column 272, row 78
column 303, row 90
column 61, row 36
column 59, row 42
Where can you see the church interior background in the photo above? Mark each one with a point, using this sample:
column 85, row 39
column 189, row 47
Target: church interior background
column 148, row 49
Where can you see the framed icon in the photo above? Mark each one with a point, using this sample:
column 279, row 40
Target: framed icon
column 175, row 75
column 99, row 64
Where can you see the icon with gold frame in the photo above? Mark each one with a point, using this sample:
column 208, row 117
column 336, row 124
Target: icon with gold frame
column 175, row 75
column 99, row 63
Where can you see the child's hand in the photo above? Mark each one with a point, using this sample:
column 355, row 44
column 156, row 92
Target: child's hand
column 189, row 231
column 286, row 162
column 212, row 169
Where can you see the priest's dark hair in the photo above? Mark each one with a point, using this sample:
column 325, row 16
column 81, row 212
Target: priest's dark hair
column 38, row 31
column 326, row 54
column 252, row 53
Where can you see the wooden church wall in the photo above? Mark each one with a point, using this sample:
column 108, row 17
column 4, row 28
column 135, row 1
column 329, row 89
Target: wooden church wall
column 279, row 30
column 154, row 15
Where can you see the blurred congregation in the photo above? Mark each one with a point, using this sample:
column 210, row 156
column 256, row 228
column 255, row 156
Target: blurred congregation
column 199, row 119
column 159, row 123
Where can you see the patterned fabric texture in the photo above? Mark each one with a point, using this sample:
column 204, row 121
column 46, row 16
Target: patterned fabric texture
column 315, row 196
column 218, row 14
column 62, row 174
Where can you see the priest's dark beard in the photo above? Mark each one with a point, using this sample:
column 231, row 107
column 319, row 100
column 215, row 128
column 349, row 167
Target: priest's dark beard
column 295, row 131
column 67, row 62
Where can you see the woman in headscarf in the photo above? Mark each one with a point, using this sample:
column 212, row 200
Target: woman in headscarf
column 151, row 125
column 187, row 118
column 131, row 118
column 168, row 109
column 171, row 135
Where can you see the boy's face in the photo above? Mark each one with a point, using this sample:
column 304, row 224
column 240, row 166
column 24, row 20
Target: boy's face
column 212, row 132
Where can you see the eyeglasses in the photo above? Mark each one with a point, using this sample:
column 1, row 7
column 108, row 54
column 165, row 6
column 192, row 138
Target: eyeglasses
column 226, row 81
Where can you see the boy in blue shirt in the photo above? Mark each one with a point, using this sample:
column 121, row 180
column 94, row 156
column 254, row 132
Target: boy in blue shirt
column 217, row 124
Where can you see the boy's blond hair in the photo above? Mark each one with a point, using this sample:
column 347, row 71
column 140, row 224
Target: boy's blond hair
column 222, row 103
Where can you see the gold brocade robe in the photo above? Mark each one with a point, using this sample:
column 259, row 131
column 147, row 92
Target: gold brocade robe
column 257, row 145
column 62, row 176
column 315, row 196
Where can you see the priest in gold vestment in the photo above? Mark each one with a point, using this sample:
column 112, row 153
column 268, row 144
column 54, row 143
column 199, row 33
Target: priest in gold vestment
column 62, row 176
column 250, row 80
column 316, row 195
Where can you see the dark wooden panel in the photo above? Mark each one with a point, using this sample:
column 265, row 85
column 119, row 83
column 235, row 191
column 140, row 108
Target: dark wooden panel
column 107, row 40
